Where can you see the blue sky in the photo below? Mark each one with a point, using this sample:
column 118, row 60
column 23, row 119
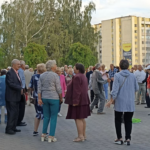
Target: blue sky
column 108, row 9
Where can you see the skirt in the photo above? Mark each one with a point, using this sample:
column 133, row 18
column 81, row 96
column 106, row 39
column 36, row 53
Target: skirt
column 78, row 112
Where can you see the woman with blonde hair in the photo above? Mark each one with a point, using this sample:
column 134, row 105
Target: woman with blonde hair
column 33, row 86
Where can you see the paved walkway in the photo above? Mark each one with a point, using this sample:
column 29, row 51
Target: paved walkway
column 100, row 133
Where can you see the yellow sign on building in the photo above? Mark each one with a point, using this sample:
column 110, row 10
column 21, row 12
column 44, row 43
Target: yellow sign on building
column 127, row 52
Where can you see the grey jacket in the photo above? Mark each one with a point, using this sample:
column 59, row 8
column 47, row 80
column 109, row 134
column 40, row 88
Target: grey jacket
column 97, row 82
column 49, row 85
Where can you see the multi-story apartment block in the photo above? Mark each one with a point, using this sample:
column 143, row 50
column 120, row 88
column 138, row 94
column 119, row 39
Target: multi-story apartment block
column 124, row 37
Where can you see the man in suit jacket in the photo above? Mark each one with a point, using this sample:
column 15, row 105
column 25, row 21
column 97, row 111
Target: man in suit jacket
column 13, row 97
column 89, row 73
column 97, row 86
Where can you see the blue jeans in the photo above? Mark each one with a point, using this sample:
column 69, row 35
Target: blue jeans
column 50, row 111
column 106, row 90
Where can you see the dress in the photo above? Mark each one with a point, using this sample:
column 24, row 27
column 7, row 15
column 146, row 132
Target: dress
column 77, row 93
column 34, row 85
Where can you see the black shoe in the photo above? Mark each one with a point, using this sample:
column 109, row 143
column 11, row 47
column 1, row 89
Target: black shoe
column 16, row 130
column 22, row 124
column 35, row 133
column 148, row 114
column 127, row 143
column 147, row 107
column 96, row 106
column 10, row 132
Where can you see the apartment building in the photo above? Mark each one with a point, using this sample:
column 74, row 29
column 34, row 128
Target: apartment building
column 124, row 37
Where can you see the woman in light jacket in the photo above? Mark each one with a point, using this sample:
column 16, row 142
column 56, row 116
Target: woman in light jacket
column 2, row 93
column 123, row 96
column 50, row 96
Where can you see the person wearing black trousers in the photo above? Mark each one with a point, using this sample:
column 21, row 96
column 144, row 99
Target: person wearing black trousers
column 12, row 97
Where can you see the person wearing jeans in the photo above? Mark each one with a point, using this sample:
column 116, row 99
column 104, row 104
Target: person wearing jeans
column 122, row 96
column 50, row 96
column 105, row 77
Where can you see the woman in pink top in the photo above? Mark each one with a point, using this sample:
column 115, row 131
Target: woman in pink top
column 63, row 85
column 105, row 77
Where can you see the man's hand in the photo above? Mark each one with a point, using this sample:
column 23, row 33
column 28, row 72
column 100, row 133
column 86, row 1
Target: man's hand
column 40, row 102
column 112, row 79
column 21, row 91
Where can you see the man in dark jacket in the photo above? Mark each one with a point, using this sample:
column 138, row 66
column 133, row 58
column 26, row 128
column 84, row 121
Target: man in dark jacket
column 13, row 97
column 89, row 73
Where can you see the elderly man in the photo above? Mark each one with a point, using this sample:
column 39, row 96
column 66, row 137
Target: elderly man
column 28, row 76
column 23, row 101
column 13, row 97
column 140, row 76
column 97, row 86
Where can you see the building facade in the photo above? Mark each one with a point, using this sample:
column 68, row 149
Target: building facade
column 124, row 37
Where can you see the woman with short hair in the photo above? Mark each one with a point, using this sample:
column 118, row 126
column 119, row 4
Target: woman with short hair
column 50, row 96
column 33, row 86
column 123, row 96
column 69, row 76
column 78, row 100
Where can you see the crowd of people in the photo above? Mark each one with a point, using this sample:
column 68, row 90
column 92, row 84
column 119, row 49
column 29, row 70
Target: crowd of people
column 49, row 86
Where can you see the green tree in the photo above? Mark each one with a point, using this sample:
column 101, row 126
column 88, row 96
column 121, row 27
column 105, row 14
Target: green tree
column 2, row 55
column 79, row 53
column 35, row 54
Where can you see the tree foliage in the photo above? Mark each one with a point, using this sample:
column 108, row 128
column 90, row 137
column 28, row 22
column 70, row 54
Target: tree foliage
column 35, row 54
column 54, row 23
column 79, row 53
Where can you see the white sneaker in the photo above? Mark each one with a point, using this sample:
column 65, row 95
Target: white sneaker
column 59, row 114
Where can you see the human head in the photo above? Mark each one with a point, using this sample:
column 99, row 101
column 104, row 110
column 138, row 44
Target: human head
column 26, row 67
column 103, row 67
column 8, row 68
column 15, row 64
column 70, row 66
column 3, row 72
column 79, row 68
column 135, row 67
column 98, row 66
column 70, row 71
column 112, row 66
column 51, row 65
column 22, row 64
column 31, row 69
column 140, row 68
column 148, row 69
column 65, row 67
column 124, row 64
column 90, row 68
column 58, row 71
column 41, row 68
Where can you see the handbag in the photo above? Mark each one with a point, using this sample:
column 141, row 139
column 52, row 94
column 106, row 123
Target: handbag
column 32, row 100
column 120, row 88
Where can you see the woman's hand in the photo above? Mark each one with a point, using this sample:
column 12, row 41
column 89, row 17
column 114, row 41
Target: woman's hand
column 40, row 102
column 108, row 104
column 75, row 104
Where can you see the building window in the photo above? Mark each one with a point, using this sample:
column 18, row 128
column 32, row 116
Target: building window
column 142, row 19
column 135, row 25
column 135, row 43
column 136, row 55
column 143, row 54
column 135, row 49
column 143, row 48
column 135, row 37
column 143, row 60
column 142, row 42
column 135, row 31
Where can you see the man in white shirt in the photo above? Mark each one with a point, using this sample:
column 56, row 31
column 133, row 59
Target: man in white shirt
column 140, row 76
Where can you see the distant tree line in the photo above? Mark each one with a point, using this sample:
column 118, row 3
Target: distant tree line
column 56, row 24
